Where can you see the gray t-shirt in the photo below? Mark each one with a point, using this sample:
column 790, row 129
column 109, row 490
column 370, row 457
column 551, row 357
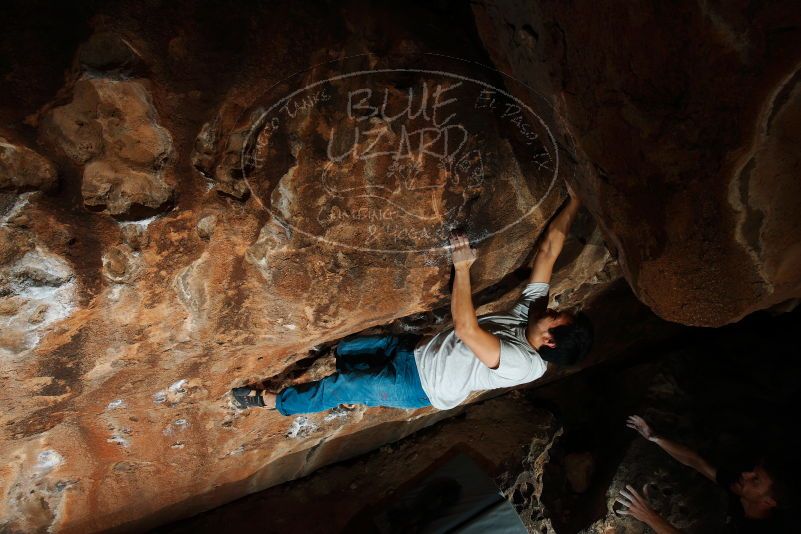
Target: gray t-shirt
column 450, row 371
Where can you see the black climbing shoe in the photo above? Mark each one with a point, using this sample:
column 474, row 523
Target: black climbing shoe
column 245, row 397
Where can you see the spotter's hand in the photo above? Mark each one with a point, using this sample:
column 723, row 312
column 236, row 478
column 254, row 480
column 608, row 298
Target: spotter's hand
column 636, row 506
column 635, row 422
column 461, row 254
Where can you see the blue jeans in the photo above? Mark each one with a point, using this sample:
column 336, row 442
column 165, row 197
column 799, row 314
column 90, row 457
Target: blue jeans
column 371, row 370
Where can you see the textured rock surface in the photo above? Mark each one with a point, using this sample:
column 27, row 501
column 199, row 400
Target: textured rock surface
column 37, row 285
column 21, row 168
column 134, row 299
column 107, row 51
column 195, row 245
column 111, row 128
column 694, row 183
column 495, row 434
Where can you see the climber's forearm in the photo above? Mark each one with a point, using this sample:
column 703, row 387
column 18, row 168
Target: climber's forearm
column 686, row 456
column 485, row 346
column 462, row 310
column 552, row 242
column 554, row 238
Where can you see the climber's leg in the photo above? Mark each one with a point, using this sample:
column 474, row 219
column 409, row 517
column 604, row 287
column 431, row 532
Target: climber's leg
column 364, row 353
column 396, row 384
column 366, row 345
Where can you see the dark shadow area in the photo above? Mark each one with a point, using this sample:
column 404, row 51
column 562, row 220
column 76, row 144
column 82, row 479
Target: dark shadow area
column 416, row 505
column 730, row 393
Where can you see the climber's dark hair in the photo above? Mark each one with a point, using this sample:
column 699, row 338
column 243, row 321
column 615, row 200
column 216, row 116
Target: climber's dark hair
column 573, row 342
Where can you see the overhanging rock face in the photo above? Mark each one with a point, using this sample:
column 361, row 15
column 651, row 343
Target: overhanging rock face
column 223, row 213
column 234, row 190
column 686, row 124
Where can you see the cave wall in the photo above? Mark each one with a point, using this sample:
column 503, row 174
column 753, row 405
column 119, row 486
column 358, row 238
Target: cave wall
column 684, row 120
column 160, row 246
column 347, row 496
column 162, row 239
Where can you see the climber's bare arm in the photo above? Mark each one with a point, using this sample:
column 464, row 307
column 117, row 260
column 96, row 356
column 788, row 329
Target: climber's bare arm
column 681, row 453
column 550, row 246
column 484, row 345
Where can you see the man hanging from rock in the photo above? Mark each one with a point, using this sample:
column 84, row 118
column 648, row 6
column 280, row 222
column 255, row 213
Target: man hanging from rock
column 478, row 353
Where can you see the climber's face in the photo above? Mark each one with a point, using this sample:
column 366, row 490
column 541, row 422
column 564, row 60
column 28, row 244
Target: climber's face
column 755, row 486
column 541, row 329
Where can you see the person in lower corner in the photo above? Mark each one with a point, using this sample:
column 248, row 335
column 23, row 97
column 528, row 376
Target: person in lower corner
column 756, row 495
column 478, row 353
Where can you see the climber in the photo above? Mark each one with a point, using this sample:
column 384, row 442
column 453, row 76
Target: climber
column 478, row 353
column 755, row 493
